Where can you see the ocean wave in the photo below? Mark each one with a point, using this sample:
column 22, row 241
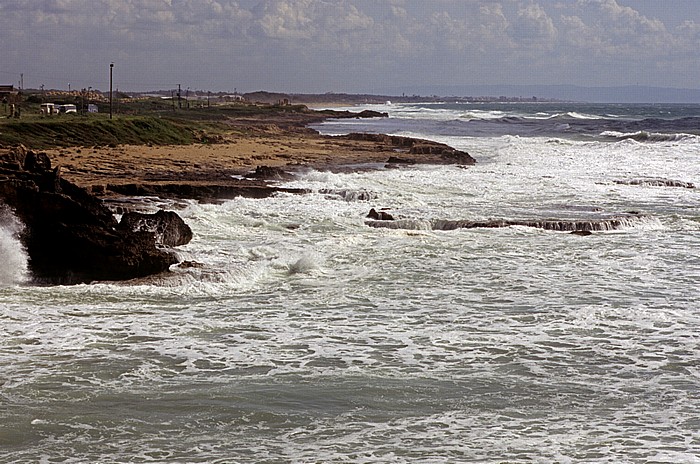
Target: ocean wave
column 482, row 115
column 574, row 115
column 14, row 260
column 645, row 136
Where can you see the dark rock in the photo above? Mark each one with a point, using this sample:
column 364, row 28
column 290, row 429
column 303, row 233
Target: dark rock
column 379, row 215
column 269, row 173
column 431, row 152
column 349, row 195
column 582, row 233
column 190, row 265
column 14, row 160
column 370, row 114
column 37, row 162
column 398, row 160
column 69, row 235
column 580, row 227
column 169, row 228
column 657, row 182
column 205, row 192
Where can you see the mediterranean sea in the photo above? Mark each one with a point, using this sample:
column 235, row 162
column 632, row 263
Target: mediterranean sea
column 305, row 335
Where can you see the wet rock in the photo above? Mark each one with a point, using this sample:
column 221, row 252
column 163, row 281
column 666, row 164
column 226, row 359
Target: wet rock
column 379, row 215
column 580, row 227
column 399, row 160
column 69, row 235
column 370, row 114
column 428, row 151
column 168, row 228
column 656, row 182
column 190, row 265
column 269, row 173
column 349, row 195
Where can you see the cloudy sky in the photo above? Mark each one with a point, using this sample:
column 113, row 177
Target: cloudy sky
column 357, row 46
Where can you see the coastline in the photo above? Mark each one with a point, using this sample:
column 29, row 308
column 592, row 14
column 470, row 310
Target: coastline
column 67, row 197
column 226, row 168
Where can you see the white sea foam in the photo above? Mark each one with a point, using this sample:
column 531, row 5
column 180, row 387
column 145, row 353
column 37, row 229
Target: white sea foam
column 12, row 254
column 575, row 115
column 485, row 115
column 297, row 333
column 644, row 136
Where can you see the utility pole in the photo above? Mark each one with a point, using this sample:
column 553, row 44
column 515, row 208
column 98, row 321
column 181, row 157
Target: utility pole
column 111, row 66
column 21, row 81
column 179, row 96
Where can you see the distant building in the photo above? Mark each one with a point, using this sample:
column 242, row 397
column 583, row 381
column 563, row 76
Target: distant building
column 233, row 98
column 8, row 94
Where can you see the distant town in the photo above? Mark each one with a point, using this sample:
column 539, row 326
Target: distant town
column 89, row 100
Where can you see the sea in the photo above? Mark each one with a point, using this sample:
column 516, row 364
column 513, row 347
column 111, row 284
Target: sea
column 303, row 332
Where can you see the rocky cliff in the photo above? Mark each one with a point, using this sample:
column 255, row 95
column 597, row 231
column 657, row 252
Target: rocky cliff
column 69, row 235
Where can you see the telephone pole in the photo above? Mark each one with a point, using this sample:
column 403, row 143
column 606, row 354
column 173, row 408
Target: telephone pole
column 111, row 66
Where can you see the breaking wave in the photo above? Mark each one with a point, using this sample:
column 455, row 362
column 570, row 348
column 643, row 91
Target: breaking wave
column 14, row 260
column 574, row 115
column 645, row 136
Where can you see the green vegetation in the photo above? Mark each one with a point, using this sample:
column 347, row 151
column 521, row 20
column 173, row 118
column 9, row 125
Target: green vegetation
column 149, row 121
column 75, row 131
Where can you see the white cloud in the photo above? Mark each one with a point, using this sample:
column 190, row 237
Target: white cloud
column 351, row 40
column 534, row 26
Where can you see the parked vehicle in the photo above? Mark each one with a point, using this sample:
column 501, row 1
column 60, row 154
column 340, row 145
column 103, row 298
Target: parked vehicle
column 47, row 109
column 67, row 109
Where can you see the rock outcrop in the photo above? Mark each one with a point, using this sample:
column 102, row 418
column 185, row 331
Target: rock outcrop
column 167, row 227
column 69, row 235
column 379, row 219
column 269, row 173
column 424, row 151
column 656, row 182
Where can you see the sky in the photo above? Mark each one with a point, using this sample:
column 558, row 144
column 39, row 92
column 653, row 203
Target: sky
column 349, row 46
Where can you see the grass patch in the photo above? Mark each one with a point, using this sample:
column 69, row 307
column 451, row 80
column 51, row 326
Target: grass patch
column 141, row 122
column 73, row 131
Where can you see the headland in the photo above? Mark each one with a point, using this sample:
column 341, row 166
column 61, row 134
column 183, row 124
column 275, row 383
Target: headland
column 207, row 153
column 57, row 170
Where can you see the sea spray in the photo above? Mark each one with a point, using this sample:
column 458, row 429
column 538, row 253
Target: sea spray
column 304, row 265
column 12, row 253
column 472, row 345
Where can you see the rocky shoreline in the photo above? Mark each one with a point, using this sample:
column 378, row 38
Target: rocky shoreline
column 223, row 170
column 71, row 235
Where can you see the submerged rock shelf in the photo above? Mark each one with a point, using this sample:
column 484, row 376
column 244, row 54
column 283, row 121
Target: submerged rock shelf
column 561, row 225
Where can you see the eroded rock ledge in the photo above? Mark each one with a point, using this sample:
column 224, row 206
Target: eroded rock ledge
column 69, row 235
column 414, row 151
column 379, row 219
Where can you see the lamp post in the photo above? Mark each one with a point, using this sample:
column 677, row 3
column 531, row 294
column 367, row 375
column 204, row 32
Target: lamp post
column 111, row 67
